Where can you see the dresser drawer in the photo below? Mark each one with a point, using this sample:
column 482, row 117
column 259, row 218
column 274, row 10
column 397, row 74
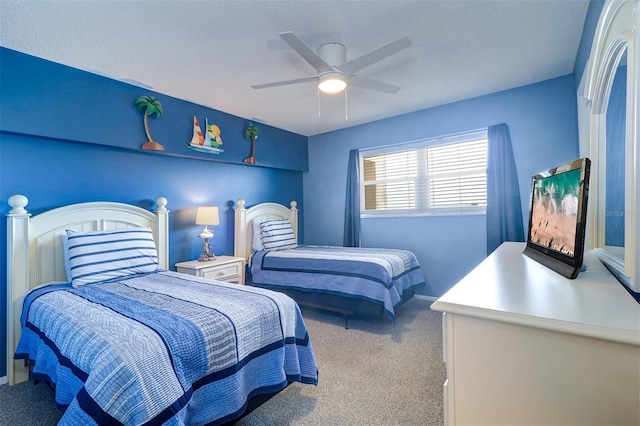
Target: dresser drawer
column 222, row 273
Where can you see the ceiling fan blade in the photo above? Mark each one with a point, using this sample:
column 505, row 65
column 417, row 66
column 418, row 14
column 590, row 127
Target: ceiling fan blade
column 286, row 82
column 361, row 62
column 367, row 83
column 306, row 52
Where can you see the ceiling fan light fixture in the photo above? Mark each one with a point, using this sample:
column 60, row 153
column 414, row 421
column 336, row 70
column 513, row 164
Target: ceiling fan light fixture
column 332, row 82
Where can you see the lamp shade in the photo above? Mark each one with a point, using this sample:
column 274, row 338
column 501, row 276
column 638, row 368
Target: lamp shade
column 207, row 216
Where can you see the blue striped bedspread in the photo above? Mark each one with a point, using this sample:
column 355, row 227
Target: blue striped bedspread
column 376, row 275
column 163, row 348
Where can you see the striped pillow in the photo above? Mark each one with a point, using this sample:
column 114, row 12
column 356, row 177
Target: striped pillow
column 65, row 251
column 277, row 235
column 106, row 255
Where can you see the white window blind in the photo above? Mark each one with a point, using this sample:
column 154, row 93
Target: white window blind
column 438, row 176
column 391, row 180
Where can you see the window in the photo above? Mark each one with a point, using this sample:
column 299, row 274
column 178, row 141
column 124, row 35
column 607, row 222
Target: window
column 441, row 176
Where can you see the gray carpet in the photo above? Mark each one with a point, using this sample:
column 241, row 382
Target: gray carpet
column 28, row 404
column 374, row 373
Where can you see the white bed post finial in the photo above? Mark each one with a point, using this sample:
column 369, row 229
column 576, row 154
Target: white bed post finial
column 240, row 243
column 17, row 280
column 161, row 202
column 162, row 232
column 18, row 203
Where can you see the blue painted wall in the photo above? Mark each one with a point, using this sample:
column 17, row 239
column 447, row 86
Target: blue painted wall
column 542, row 119
column 67, row 136
column 42, row 98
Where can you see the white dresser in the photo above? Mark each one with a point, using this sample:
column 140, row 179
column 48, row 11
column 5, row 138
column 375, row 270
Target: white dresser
column 524, row 345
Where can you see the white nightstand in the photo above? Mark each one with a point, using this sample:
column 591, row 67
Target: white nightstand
column 223, row 268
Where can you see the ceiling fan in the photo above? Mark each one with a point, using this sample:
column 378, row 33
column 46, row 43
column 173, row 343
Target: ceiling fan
column 334, row 72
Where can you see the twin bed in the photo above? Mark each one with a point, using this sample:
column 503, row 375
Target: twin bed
column 346, row 280
column 129, row 342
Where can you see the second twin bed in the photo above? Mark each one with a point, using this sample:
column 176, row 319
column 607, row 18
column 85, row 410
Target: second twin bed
column 350, row 280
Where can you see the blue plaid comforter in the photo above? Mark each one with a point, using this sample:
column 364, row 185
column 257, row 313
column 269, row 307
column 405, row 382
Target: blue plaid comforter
column 377, row 275
column 163, row 348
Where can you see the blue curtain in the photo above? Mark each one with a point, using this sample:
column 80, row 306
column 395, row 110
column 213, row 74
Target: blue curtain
column 352, row 202
column 504, row 210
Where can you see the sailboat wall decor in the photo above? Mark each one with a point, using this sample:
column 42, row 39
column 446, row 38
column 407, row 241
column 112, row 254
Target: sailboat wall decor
column 210, row 142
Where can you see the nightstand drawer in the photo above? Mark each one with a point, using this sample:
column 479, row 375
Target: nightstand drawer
column 225, row 273
column 222, row 268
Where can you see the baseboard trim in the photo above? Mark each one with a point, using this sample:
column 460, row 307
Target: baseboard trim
column 3, row 380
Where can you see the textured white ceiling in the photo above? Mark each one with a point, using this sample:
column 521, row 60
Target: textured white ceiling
column 211, row 52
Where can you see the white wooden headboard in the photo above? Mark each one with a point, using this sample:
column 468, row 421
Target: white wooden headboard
column 266, row 211
column 35, row 253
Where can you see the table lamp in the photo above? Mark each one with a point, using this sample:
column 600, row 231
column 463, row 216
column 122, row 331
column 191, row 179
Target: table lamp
column 207, row 216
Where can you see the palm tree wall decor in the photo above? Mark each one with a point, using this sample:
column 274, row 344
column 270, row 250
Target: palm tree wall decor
column 151, row 106
column 251, row 134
